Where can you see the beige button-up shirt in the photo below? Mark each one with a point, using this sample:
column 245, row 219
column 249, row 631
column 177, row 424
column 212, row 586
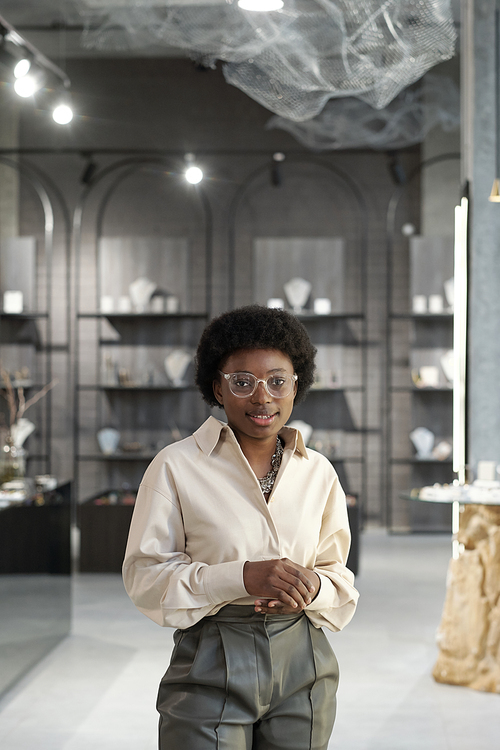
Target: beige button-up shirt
column 200, row 515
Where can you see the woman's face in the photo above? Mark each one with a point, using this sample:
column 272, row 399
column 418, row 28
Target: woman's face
column 261, row 415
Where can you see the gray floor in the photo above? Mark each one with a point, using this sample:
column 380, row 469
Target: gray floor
column 97, row 689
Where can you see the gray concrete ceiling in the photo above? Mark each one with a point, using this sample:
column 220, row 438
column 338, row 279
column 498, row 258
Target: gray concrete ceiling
column 55, row 26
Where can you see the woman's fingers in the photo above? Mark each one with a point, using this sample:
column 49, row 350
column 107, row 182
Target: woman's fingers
column 298, row 573
column 278, row 579
column 298, row 582
column 273, row 607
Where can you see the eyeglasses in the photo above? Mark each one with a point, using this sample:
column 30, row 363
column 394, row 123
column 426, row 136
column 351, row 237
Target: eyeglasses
column 244, row 384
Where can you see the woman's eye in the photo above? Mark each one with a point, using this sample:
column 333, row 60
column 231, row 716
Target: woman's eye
column 278, row 382
column 242, row 382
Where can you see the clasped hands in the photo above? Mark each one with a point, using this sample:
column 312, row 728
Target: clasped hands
column 284, row 586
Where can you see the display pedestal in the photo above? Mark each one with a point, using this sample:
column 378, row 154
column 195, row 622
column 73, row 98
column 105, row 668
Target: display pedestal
column 469, row 634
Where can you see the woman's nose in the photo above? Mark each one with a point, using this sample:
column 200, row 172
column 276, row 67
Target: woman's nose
column 261, row 395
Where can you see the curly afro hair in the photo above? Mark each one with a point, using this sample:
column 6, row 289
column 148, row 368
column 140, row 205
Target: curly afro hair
column 253, row 327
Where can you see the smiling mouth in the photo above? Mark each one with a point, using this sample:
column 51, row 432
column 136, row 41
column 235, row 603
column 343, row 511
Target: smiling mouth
column 262, row 419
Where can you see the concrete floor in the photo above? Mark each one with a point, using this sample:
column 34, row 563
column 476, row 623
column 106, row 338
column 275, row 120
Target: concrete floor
column 97, row 689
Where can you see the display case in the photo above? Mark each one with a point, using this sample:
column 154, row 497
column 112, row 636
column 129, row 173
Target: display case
column 35, row 579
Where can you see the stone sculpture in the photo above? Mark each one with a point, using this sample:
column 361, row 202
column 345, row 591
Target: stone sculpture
column 469, row 634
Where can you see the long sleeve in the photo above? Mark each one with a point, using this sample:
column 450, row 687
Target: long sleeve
column 336, row 601
column 161, row 579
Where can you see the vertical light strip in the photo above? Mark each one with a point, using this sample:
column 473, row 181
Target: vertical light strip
column 460, row 339
column 459, row 358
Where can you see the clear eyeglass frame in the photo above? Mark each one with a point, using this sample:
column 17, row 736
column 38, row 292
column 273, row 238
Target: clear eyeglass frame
column 279, row 392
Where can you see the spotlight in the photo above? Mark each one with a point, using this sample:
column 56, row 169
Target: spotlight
column 408, row 229
column 62, row 113
column 27, row 86
column 261, row 6
column 396, row 169
column 89, row 170
column 193, row 175
column 276, row 176
column 22, row 67
column 29, row 67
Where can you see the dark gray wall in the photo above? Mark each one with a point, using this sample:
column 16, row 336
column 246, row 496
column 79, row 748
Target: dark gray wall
column 171, row 105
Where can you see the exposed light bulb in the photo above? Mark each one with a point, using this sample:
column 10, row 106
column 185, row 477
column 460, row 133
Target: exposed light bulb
column 408, row 229
column 26, row 86
column 194, row 175
column 22, row 67
column 261, row 6
column 62, row 114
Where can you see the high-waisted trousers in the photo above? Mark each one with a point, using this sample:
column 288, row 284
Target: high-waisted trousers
column 242, row 680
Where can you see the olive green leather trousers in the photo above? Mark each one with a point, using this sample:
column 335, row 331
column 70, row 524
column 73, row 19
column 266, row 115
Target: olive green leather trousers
column 241, row 680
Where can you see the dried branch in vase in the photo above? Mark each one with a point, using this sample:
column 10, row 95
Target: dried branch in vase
column 18, row 405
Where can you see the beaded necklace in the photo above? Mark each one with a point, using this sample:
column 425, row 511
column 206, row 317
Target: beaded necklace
column 267, row 482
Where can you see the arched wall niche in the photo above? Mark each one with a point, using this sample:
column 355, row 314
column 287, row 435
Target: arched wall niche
column 136, row 218
column 304, row 217
column 146, row 198
column 42, row 342
column 298, row 197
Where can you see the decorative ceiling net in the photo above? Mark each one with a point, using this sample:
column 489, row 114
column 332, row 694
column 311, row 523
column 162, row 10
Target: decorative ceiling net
column 351, row 123
column 294, row 60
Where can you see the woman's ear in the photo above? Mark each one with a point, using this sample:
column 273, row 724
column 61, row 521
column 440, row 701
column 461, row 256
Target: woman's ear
column 218, row 391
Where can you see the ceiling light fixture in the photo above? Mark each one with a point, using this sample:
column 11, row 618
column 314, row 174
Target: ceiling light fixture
column 27, row 85
column 30, row 68
column 260, row 6
column 193, row 174
column 22, row 67
column 62, row 113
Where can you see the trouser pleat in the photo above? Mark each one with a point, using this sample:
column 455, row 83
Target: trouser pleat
column 242, row 681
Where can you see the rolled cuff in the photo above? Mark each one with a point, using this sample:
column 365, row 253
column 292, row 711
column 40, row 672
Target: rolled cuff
column 224, row 581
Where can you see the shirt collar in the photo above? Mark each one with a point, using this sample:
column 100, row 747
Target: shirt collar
column 208, row 435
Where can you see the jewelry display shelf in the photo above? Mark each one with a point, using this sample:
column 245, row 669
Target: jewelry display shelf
column 338, row 400
column 417, row 343
column 136, row 388
column 130, row 316
column 428, row 406
column 120, row 456
column 13, row 317
column 163, row 277
column 415, row 460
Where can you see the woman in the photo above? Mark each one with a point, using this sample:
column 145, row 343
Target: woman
column 239, row 539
